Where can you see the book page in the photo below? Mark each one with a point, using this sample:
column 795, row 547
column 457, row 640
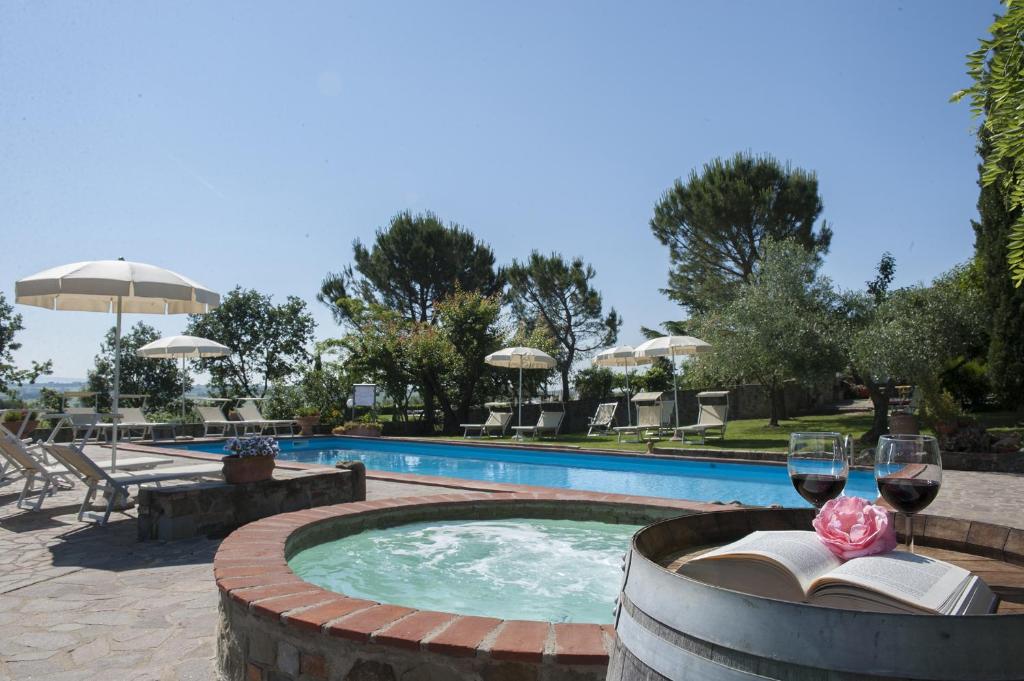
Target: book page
column 801, row 553
column 919, row 580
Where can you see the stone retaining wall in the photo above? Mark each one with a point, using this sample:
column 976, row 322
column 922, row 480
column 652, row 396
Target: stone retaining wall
column 277, row 627
column 214, row 509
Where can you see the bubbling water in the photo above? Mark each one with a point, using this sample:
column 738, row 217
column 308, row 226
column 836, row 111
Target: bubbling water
column 519, row 568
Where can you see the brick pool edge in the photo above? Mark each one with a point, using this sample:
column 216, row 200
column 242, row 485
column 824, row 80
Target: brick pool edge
column 274, row 625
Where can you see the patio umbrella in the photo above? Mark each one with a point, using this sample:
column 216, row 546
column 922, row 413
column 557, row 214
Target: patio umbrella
column 521, row 358
column 672, row 346
column 115, row 286
column 622, row 356
column 191, row 347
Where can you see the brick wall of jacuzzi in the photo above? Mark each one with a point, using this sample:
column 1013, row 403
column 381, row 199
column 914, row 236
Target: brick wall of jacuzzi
column 276, row 627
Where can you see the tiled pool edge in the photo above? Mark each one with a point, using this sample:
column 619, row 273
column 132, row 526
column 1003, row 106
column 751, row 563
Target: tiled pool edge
column 273, row 622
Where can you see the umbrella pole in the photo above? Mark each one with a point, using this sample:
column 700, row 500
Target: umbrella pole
column 629, row 394
column 183, row 390
column 519, row 432
column 117, row 390
column 675, row 389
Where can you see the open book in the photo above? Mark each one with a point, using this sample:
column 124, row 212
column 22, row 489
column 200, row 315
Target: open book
column 797, row 566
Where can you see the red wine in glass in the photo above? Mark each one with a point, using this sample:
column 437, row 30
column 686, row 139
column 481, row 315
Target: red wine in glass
column 908, row 495
column 818, row 466
column 816, row 488
column 908, row 470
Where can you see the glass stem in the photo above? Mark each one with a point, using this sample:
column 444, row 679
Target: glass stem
column 910, row 532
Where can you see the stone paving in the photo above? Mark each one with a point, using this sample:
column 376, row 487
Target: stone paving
column 83, row 602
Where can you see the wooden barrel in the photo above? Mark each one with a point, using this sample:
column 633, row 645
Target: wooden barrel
column 673, row 627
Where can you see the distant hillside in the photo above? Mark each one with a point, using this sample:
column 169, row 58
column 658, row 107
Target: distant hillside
column 31, row 392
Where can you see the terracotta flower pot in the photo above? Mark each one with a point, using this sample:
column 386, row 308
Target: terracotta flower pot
column 239, row 470
column 13, row 426
column 307, row 424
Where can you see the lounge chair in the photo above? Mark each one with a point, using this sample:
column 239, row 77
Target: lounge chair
column 251, row 417
column 494, row 426
column 29, row 461
column 603, row 419
column 648, row 419
column 133, row 419
column 548, row 423
column 213, row 418
column 711, row 416
column 115, row 485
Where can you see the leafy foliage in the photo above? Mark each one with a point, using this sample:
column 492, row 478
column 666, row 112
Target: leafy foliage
column 595, row 383
column 715, row 224
column 160, row 379
column 268, row 342
column 10, row 325
column 413, row 263
column 997, row 95
column 558, row 295
column 784, row 324
column 878, row 287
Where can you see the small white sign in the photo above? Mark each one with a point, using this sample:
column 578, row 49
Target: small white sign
column 365, row 394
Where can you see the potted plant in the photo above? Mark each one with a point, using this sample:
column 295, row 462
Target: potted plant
column 251, row 459
column 308, row 418
column 14, row 418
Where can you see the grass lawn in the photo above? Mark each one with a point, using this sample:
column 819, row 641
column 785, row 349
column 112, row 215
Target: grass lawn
column 741, row 434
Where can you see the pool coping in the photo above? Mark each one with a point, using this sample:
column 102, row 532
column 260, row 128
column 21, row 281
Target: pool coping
column 251, row 569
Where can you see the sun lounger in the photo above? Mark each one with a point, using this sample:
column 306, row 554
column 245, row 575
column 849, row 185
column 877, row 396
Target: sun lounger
column 710, row 417
column 495, row 425
column 602, row 419
column 548, row 423
column 648, row 419
column 252, row 417
column 213, row 418
column 30, row 462
column 133, row 419
column 115, row 485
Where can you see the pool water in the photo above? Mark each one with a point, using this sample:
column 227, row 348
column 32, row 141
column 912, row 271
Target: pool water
column 755, row 484
column 518, row 568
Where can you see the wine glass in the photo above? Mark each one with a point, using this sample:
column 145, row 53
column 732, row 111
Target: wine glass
column 908, row 470
column 818, row 466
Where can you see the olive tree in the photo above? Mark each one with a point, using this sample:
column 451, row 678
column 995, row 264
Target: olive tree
column 784, row 324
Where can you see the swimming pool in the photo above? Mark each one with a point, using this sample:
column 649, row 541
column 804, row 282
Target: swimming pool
column 755, row 484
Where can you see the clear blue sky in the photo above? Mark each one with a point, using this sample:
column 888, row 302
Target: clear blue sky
column 250, row 143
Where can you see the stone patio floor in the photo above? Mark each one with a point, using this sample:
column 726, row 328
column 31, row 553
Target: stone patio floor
column 84, row 602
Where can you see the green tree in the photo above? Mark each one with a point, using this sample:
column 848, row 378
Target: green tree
column 415, row 262
column 160, row 380
column 594, row 383
column 449, row 355
column 10, row 376
column 1003, row 301
column 269, row 343
column 782, row 325
column 912, row 336
column 559, row 295
column 325, row 385
column 997, row 95
column 715, row 223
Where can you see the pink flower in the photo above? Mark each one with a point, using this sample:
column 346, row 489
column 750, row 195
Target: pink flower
column 852, row 527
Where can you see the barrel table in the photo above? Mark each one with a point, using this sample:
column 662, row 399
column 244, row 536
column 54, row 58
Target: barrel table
column 672, row 627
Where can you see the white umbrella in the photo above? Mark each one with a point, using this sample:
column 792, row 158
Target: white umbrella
column 115, row 286
column 622, row 356
column 672, row 346
column 184, row 347
column 521, row 358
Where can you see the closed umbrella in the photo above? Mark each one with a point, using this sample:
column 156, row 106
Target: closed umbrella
column 622, row 356
column 521, row 358
column 185, row 347
column 672, row 347
column 115, row 286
